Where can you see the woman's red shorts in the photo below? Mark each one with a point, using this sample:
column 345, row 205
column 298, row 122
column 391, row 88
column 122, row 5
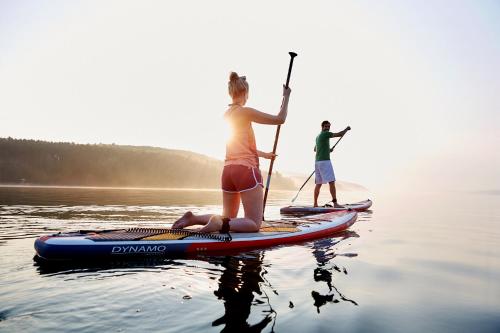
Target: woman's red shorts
column 239, row 178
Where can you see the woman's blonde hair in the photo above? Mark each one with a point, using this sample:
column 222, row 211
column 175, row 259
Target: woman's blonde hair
column 237, row 85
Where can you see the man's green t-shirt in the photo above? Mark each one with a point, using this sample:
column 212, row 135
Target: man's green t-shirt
column 323, row 146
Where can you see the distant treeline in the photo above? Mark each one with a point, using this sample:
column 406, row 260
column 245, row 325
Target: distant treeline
column 33, row 162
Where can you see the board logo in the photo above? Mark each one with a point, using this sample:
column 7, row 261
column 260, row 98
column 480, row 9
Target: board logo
column 138, row 249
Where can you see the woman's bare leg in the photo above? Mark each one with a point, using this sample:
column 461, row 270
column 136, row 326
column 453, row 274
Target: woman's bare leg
column 190, row 219
column 253, row 205
column 252, row 198
column 214, row 224
column 230, row 204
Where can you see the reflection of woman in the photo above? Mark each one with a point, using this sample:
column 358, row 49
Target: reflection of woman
column 241, row 178
column 238, row 284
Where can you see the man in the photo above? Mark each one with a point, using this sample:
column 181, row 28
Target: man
column 323, row 166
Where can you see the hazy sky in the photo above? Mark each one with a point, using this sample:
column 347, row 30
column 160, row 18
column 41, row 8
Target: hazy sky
column 418, row 82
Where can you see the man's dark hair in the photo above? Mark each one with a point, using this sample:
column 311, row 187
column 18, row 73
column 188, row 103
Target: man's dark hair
column 325, row 122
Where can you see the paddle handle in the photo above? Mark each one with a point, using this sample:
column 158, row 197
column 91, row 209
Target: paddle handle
column 292, row 56
column 269, row 173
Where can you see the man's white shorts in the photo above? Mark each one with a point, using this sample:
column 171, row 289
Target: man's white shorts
column 324, row 172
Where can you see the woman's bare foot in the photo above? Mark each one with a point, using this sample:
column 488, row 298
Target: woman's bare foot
column 184, row 221
column 214, row 224
column 336, row 205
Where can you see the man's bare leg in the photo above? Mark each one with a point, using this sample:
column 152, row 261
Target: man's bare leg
column 316, row 194
column 333, row 192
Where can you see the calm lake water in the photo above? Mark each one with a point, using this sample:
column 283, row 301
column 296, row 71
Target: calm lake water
column 415, row 263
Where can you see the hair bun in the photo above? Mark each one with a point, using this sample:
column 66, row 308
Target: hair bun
column 233, row 76
column 237, row 85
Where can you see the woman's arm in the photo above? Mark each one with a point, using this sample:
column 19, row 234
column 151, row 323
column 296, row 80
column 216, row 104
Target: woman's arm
column 269, row 156
column 268, row 119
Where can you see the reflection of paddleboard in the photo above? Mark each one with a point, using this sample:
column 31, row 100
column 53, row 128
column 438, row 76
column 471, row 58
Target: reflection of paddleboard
column 84, row 245
column 358, row 206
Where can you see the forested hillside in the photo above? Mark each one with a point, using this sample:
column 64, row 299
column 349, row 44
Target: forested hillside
column 56, row 163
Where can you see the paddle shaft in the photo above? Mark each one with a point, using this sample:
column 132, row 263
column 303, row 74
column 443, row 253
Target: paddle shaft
column 300, row 189
column 269, row 173
column 336, row 143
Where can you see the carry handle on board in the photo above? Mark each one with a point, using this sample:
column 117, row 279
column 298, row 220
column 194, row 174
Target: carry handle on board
column 269, row 173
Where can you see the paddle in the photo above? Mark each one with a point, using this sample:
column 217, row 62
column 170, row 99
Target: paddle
column 300, row 189
column 292, row 56
column 336, row 143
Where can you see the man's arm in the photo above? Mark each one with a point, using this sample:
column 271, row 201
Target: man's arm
column 341, row 133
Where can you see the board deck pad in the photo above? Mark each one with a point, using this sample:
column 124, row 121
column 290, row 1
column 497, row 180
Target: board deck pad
column 167, row 233
column 101, row 244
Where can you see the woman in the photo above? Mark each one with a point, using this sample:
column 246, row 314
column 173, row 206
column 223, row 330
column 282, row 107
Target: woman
column 241, row 177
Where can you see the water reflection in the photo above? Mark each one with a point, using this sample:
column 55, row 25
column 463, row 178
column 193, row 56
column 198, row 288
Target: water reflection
column 323, row 252
column 240, row 288
column 241, row 283
column 130, row 265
